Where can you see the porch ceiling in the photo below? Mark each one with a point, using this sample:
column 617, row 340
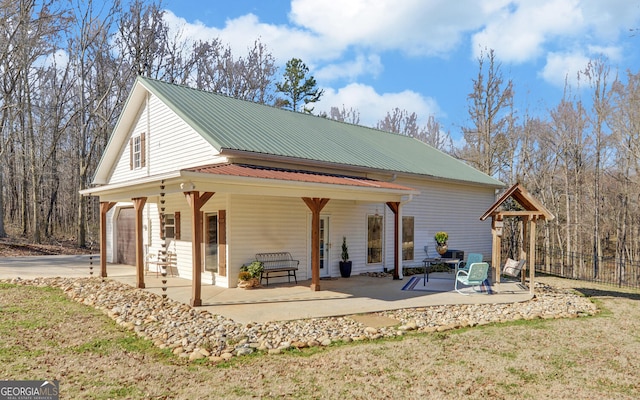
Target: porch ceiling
column 254, row 180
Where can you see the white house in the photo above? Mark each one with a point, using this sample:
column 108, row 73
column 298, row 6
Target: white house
column 234, row 178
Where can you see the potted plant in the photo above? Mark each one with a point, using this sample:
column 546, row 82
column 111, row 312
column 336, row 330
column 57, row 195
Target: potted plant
column 345, row 264
column 249, row 276
column 441, row 242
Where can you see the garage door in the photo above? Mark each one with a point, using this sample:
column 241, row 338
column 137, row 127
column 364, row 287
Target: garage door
column 126, row 236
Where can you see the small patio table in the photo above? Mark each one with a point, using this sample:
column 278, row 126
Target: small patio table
column 429, row 261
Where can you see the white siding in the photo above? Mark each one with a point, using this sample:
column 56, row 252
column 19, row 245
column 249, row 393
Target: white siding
column 349, row 219
column 171, row 144
column 268, row 224
column 455, row 209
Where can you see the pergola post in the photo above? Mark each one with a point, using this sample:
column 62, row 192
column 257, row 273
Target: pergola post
column 105, row 206
column 525, row 254
column 138, row 204
column 532, row 253
column 196, row 201
column 315, row 205
column 496, row 257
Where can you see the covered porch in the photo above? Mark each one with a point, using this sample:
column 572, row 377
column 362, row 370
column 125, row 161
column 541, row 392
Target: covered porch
column 199, row 185
column 359, row 294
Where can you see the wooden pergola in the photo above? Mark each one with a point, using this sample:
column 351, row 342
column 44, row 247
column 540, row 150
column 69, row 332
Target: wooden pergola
column 533, row 212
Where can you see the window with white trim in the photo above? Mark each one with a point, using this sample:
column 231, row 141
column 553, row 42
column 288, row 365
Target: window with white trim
column 169, row 226
column 137, row 152
column 407, row 238
column 374, row 239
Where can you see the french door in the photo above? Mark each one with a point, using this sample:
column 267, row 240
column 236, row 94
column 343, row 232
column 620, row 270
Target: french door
column 325, row 247
column 211, row 242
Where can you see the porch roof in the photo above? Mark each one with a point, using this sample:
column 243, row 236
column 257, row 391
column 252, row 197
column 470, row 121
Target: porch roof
column 253, row 171
column 256, row 180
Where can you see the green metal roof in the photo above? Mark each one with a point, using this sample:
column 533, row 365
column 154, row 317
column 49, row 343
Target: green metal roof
column 229, row 123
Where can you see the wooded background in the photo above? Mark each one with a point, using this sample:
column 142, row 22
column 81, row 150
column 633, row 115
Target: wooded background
column 67, row 67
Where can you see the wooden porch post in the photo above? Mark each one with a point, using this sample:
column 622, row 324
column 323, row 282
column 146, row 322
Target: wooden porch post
column 525, row 254
column 532, row 253
column 395, row 207
column 222, row 242
column 196, row 201
column 105, row 206
column 496, row 247
column 315, row 205
column 138, row 204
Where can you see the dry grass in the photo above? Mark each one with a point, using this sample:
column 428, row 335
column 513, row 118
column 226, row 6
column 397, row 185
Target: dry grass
column 45, row 336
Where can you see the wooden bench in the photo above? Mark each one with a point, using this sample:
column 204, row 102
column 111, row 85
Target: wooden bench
column 277, row 265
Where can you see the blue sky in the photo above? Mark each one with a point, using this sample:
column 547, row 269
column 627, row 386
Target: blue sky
column 421, row 55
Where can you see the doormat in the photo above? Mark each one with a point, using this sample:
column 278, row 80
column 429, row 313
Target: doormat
column 417, row 283
column 444, row 285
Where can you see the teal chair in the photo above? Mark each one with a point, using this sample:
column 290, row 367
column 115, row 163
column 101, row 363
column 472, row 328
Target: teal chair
column 471, row 258
column 476, row 274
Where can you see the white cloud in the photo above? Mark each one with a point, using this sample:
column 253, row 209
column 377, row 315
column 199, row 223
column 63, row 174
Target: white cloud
column 524, row 30
column 613, row 53
column 519, row 32
column 610, row 18
column 415, row 27
column 373, row 106
column 561, row 67
column 240, row 33
column 350, row 70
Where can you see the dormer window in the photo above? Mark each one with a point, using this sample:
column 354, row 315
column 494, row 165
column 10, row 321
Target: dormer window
column 137, row 151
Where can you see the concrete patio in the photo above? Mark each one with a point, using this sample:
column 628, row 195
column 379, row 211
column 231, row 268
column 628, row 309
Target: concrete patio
column 276, row 302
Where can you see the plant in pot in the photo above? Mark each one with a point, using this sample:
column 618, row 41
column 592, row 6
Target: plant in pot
column 345, row 264
column 441, row 242
column 249, row 276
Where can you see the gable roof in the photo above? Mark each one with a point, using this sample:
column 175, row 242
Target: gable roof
column 531, row 205
column 237, row 125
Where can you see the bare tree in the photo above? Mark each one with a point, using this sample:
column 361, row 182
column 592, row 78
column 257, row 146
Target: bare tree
column 597, row 75
column 400, row 121
column 250, row 78
column 143, row 40
column 405, row 123
column 89, row 53
column 625, row 119
column 490, row 102
column 433, row 135
column 351, row 115
column 571, row 143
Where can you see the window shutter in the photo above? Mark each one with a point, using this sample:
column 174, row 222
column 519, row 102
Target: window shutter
column 161, row 231
column 131, row 153
column 143, row 150
column 177, row 225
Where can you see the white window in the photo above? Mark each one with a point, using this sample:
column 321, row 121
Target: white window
column 169, row 226
column 374, row 239
column 407, row 238
column 137, row 152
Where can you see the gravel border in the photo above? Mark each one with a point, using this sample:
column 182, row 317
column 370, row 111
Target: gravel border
column 196, row 333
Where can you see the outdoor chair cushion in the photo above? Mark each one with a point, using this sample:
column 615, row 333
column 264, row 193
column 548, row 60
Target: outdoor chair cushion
column 513, row 267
